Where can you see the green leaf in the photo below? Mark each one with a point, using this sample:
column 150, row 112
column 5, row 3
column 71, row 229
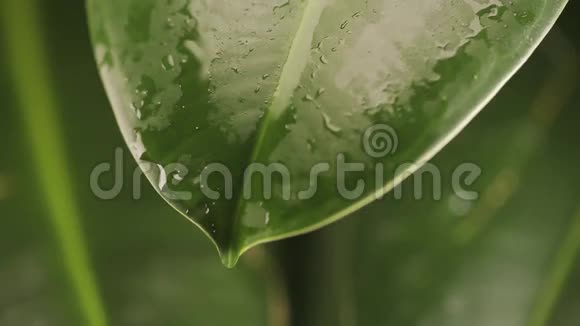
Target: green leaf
column 503, row 259
column 296, row 83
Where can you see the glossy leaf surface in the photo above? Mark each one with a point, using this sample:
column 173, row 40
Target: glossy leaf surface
column 200, row 86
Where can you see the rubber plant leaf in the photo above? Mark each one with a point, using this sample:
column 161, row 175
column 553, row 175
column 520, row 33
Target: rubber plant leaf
column 260, row 120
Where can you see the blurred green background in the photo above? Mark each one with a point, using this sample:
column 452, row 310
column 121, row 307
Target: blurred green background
column 508, row 259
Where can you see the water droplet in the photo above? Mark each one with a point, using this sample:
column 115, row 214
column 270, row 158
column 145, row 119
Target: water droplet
column 329, row 125
column 168, row 62
column 236, row 70
column 137, row 104
column 311, row 145
column 177, row 178
column 318, row 46
column 280, row 6
column 344, row 24
column 170, row 23
column 323, row 59
column 320, row 91
column 265, row 76
column 493, row 12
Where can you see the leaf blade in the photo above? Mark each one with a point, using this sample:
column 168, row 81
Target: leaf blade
column 427, row 83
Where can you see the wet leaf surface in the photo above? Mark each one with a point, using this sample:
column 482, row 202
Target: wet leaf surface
column 207, row 93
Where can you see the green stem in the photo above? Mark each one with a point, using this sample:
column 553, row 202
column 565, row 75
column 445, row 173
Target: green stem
column 556, row 280
column 26, row 56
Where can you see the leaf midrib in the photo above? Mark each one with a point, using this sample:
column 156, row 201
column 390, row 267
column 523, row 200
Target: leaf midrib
column 292, row 71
